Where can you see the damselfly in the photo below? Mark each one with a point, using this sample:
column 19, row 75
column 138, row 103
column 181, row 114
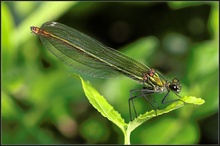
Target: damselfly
column 89, row 56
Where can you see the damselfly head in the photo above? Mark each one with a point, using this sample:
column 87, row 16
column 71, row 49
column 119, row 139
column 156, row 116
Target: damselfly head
column 175, row 85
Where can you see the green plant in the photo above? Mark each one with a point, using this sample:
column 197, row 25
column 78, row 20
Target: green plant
column 107, row 110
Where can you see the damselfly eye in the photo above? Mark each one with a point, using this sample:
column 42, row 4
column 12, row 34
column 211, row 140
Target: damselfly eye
column 175, row 88
column 175, row 85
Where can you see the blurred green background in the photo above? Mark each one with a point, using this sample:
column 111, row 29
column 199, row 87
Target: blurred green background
column 42, row 104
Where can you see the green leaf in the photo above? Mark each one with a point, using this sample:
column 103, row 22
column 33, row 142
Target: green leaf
column 100, row 103
column 175, row 105
column 193, row 100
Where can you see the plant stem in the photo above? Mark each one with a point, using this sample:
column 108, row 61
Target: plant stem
column 127, row 137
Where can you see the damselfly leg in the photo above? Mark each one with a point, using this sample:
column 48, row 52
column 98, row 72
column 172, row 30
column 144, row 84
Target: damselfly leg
column 170, row 101
column 146, row 93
